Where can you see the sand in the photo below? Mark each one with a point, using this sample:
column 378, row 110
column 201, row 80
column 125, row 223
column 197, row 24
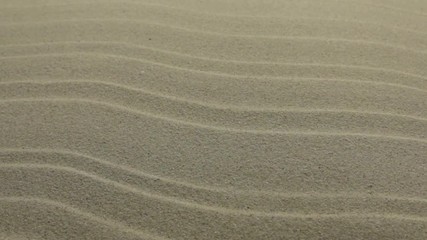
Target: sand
column 225, row 119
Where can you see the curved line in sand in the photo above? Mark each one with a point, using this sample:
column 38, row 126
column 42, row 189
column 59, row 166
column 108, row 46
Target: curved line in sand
column 199, row 125
column 209, row 188
column 209, row 208
column 204, row 32
column 84, row 214
column 187, row 10
column 97, row 54
column 233, row 108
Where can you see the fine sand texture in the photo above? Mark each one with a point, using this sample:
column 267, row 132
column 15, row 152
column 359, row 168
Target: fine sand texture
column 213, row 119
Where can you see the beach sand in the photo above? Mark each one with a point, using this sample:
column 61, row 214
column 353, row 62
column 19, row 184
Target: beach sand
column 225, row 119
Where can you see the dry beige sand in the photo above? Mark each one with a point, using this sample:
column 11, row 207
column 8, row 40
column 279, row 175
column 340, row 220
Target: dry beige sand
column 213, row 119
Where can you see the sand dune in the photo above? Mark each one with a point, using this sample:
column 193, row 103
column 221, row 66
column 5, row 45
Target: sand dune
column 213, row 119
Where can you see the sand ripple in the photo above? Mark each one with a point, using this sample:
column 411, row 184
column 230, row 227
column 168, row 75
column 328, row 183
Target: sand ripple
column 213, row 119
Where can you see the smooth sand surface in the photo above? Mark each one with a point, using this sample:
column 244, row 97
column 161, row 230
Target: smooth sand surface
column 214, row 119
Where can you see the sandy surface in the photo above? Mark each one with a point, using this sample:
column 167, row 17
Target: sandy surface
column 225, row 119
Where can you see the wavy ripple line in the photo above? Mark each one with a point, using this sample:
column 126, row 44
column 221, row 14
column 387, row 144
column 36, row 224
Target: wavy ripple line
column 140, row 173
column 199, row 125
column 209, row 208
column 187, row 10
column 214, row 106
column 204, row 32
column 83, row 214
column 97, row 54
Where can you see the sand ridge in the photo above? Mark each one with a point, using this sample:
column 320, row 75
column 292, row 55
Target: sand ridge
column 213, row 119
